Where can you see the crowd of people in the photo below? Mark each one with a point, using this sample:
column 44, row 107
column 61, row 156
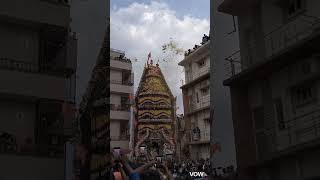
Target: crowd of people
column 155, row 169
column 182, row 169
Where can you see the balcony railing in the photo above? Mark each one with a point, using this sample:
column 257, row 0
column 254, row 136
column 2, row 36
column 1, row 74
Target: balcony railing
column 203, row 103
column 122, row 59
column 10, row 64
column 115, row 107
column 117, row 50
column 124, row 137
column 197, row 74
column 203, row 136
column 126, row 83
column 290, row 33
column 278, row 40
column 201, row 72
column 233, row 64
column 296, row 131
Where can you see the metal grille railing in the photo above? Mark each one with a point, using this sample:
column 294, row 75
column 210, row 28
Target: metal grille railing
column 123, row 59
column 115, row 107
column 298, row 130
column 6, row 63
column 282, row 38
column 203, row 102
column 204, row 135
column 126, row 83
column 197, row 74
column 10, row 64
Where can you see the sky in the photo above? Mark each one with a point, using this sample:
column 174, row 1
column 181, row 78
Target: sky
column 141, row 26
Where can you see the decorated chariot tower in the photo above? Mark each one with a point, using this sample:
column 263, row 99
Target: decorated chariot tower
column 155, row 114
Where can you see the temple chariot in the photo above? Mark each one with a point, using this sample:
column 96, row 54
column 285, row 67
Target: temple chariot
column 155, row 115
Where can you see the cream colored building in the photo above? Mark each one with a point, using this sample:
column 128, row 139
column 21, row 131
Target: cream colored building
column 196, row 100
column 121, row 88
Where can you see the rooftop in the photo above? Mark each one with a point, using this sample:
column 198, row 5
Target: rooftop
column 197, row 51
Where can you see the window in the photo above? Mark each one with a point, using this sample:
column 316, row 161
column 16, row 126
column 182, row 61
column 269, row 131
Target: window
column 279, row 113
column 197, row 97
column 258, row 118
column 303, row 94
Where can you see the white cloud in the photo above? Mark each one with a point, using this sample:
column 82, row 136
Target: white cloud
column 142, row 28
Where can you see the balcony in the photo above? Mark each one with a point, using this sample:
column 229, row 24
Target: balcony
column 44, row 68
column 195, row 75
column 200, row 138
column 119, row 87
column 33, row 84
column 300, row 130
column 283, row 39
column 52, row 12
column 126, row 83
column 121, row 140
column 120, row 64
column 120, row 112
column 290, row 34
column 294, row 135
column 204, row 102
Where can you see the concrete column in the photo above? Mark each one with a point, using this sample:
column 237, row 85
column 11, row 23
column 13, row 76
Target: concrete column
column 223, row 44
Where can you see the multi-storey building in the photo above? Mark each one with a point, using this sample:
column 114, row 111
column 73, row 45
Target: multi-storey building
column 121, row 89
column 276, row 89
column 196, row 99
column 37, row 76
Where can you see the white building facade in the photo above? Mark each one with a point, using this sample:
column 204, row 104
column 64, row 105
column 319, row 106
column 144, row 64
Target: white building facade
column 121, row 90
column 196, row 100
